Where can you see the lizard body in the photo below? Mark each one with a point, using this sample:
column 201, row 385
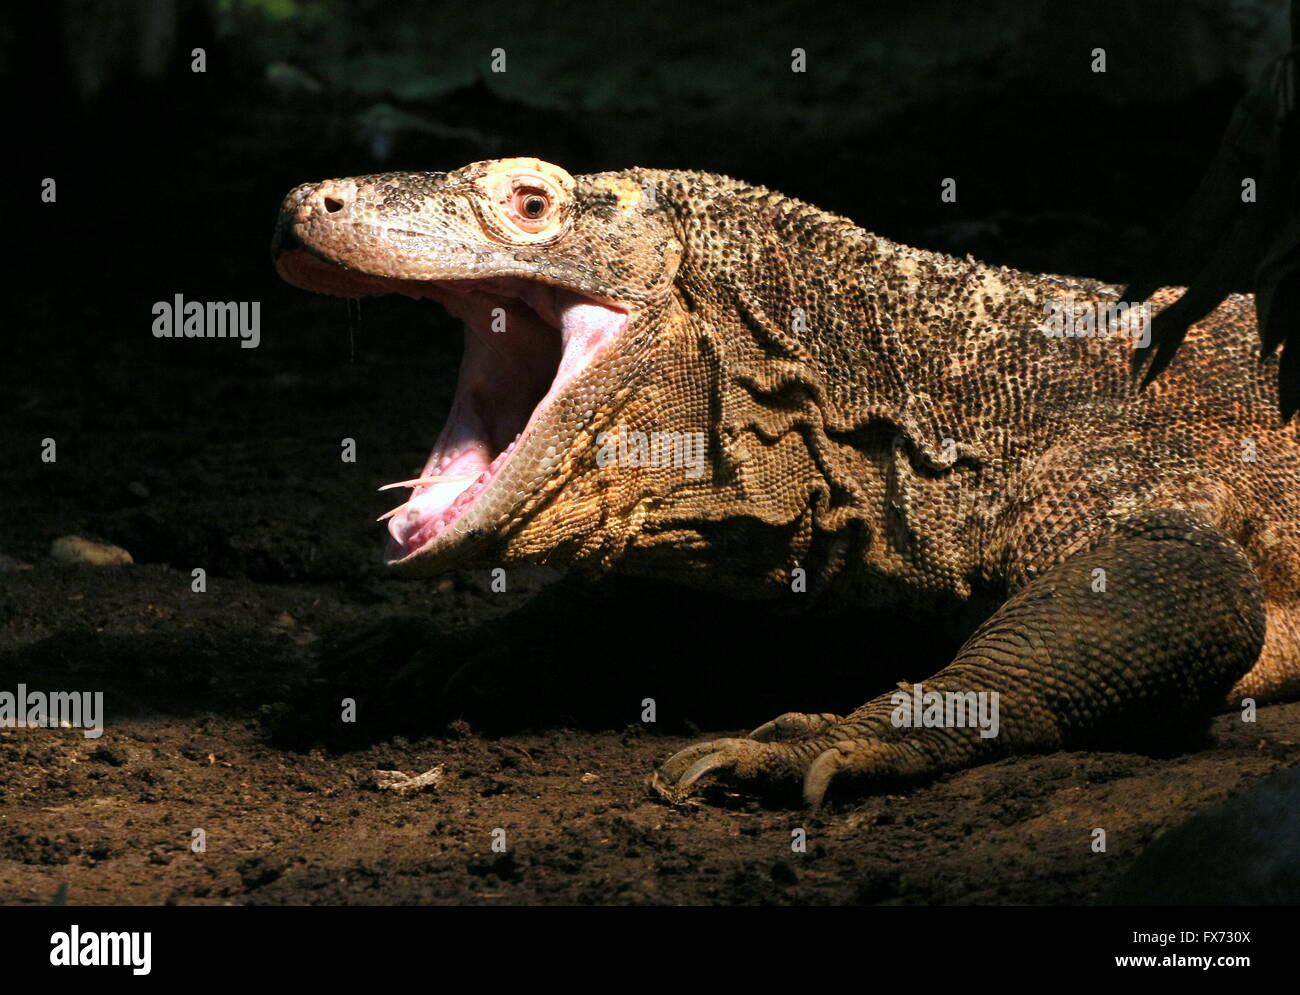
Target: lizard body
column 878, row 425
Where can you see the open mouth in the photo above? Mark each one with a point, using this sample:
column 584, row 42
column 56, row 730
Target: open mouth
column 525, row 342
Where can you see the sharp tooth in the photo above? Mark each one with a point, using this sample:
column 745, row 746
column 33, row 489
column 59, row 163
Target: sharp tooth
column 390, row 514
column 417, row 482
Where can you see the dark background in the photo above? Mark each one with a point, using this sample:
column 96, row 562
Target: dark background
column 197, row 453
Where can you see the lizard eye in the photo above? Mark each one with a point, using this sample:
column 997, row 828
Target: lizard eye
column 524, row 205
column 531, row 204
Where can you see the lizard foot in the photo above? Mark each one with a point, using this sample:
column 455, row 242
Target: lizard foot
column 814, row 759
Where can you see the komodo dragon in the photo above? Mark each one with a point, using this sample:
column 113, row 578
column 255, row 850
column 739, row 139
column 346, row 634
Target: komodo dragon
column 878, row 425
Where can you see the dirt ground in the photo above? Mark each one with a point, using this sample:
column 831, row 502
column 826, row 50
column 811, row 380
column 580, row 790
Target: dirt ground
column 223, row 707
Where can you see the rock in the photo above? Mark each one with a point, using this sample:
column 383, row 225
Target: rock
column 408, row 784
column 74, row 549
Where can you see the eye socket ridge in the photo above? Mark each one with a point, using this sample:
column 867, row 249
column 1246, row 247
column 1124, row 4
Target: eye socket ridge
column 523, row 206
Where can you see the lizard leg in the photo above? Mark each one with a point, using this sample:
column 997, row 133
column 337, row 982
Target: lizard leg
column 1143, row 632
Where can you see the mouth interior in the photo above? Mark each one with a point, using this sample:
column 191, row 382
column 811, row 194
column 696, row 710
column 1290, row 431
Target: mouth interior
column 524, row 342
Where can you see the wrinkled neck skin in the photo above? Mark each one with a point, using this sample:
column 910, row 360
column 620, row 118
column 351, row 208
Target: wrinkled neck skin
column 851, row 403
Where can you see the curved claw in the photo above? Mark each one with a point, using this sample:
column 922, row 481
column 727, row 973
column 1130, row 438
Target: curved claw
column 816, row 759
column 820, row 772
column 680, row 772
column 676, row 765
column 681, row 788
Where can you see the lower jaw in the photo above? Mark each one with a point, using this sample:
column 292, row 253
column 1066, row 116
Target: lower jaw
column 435, row 526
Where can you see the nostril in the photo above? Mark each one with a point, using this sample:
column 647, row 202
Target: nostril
column 333, row 205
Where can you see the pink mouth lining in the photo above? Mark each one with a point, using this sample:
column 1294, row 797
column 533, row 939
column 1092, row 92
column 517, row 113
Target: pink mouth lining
column 545, row 336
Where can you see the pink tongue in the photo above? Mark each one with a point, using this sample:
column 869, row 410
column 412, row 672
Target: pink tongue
column 584, row 327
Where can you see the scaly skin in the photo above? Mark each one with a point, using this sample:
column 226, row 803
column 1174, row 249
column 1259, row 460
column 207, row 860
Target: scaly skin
column 883, row 425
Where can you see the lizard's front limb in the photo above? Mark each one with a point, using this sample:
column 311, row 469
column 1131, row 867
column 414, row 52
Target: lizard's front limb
column 1145, row 631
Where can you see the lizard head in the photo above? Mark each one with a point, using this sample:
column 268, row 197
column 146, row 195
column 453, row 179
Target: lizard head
column 560, row 281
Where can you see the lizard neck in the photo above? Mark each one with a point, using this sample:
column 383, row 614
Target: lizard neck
column 878, row 331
